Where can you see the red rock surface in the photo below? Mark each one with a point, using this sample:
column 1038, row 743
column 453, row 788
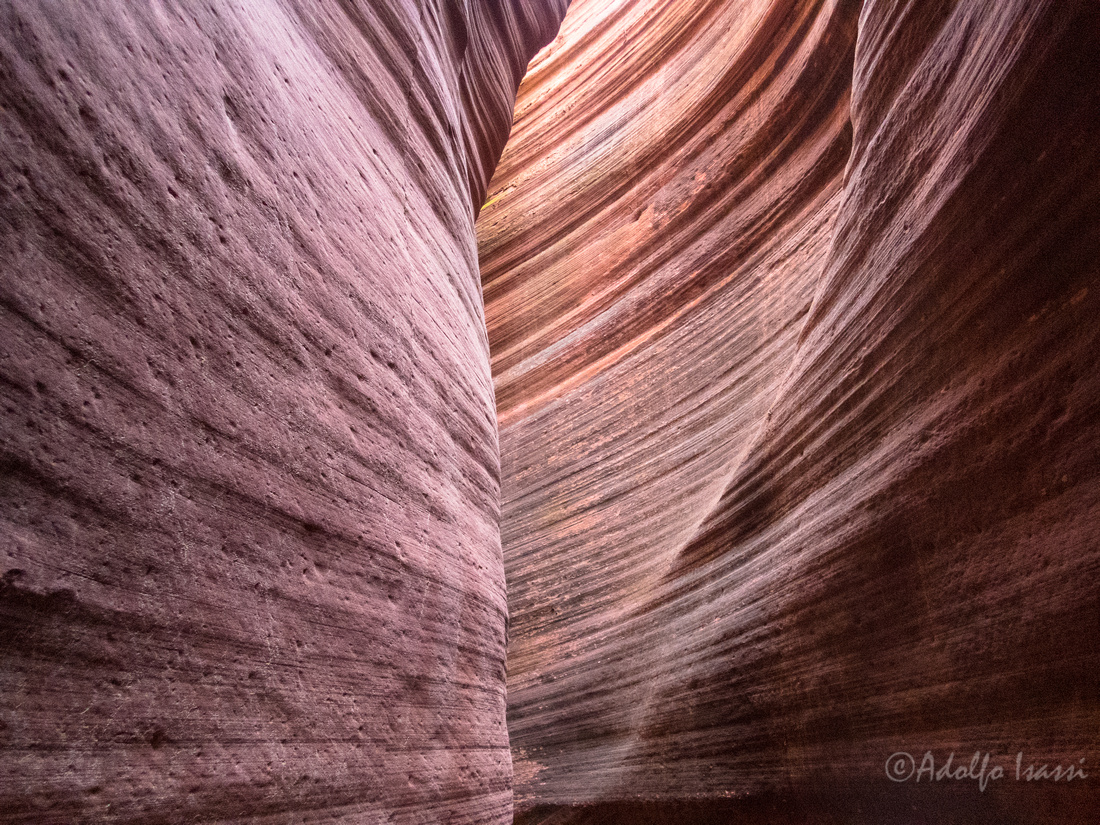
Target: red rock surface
column 251, row 567
column 793, row 311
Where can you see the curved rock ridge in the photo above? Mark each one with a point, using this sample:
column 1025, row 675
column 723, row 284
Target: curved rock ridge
column 251, row 567
column 792, row 312
column 505, row 36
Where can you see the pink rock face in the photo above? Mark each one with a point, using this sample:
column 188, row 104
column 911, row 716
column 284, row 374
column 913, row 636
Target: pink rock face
column 250, row 564
column 793, row 317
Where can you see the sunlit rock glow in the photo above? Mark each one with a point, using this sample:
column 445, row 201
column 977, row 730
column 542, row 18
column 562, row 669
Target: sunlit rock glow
column 792, row 309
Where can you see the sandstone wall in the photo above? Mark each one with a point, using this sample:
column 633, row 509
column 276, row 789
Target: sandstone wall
column 793, row 316
column 251, row 565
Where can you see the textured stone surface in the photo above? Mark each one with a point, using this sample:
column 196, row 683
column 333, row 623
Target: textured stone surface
column 251, row 563
column 793, row 316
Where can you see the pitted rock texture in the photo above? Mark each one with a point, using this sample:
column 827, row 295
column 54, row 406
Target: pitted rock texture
column 793, row 309
column 251, row 565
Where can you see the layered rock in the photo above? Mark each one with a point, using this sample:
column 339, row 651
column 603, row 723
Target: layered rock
column 251, row 565
column 792, row 309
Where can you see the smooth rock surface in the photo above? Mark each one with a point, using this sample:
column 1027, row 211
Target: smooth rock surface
column 249, row 481
column 793, row 311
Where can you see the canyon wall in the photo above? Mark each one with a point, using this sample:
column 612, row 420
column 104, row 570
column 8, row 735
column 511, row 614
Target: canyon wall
column 251, row 564
column 793, row 313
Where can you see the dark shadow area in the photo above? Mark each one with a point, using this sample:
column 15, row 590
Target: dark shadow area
column 941, row 803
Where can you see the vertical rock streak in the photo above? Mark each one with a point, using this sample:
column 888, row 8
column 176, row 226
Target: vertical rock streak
column 251, row 565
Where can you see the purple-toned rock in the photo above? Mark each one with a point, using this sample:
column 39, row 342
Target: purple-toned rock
column 250, row 565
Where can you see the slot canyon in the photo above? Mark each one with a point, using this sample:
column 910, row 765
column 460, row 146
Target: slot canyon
column 485, row 411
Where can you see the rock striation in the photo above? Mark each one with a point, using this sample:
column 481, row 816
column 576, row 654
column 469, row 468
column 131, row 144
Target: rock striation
column 792, row 308
column 250, row 567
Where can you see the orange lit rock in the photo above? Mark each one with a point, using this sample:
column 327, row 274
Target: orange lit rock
column 793, row 316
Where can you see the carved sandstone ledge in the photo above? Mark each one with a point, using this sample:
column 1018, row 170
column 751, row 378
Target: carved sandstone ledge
column 249, row 487
column 792, row 308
